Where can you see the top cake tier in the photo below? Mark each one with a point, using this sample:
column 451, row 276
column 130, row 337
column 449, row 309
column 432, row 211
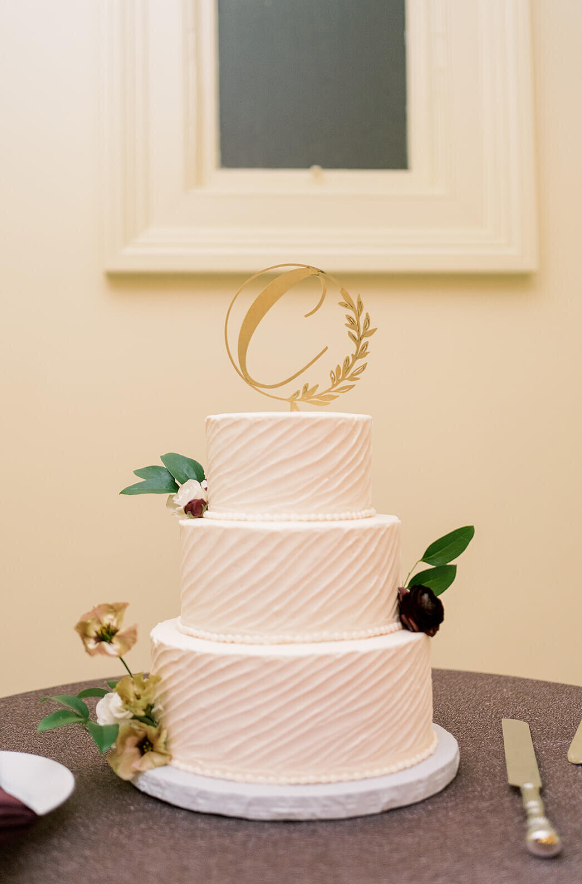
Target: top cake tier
column 272, row 465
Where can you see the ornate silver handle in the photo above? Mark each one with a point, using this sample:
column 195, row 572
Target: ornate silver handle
column 541, row 839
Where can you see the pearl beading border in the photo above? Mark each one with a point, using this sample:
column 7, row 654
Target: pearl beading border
column 290, row 638
column 290, row 517
column 312, row 779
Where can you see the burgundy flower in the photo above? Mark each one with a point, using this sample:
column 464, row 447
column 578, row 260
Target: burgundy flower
column 195, row 509
column 420, row 609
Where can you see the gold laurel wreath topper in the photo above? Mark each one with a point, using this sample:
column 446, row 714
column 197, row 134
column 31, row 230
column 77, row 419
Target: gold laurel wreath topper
column 343, row 377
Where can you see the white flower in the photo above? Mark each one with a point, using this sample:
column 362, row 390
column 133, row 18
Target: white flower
column 190, row 490
column 110, row 710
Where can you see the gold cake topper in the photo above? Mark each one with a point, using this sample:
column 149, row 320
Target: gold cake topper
column 343, row 378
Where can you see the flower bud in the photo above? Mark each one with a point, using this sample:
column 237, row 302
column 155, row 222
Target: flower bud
column 194, row 509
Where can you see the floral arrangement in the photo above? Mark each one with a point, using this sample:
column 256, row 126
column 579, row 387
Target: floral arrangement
column 126, row 721
column 182, row 478
column 420, row 608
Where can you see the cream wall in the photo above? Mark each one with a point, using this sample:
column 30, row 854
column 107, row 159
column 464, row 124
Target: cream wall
column 475, row 388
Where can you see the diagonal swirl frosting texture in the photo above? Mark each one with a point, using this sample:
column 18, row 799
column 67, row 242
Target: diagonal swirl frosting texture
column 284, row 465
column 288, row 663
column 289, row 582
column 295, row 713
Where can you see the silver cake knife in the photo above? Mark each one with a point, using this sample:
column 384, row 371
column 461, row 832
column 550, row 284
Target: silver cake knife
column 575, row 750
column 522, row 771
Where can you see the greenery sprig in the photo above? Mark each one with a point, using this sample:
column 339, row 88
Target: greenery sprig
column 77, row 712
column 177, row 470
column 439, row 555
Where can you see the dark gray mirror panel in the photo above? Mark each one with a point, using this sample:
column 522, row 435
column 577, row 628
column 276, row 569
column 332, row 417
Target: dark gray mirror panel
column 312, row 82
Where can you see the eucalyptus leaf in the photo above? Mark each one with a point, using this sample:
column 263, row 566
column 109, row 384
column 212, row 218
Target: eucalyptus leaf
column 104, row 735
column 449, row 547
column 71, row 702
column 438, row 579
column 183, row 468
column 59, row 719
column 157, row 480
column 93, row 692
column 150, row 472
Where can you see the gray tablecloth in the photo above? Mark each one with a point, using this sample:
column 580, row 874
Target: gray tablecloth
column 472, row 833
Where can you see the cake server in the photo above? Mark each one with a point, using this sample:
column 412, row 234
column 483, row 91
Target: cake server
column 522, row 771
column 575, row 750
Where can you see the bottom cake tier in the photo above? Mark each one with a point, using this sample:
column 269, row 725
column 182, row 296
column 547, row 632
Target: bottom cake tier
column 302, row 713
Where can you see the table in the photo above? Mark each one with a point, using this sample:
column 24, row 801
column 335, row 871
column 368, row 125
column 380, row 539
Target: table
column 472, row 833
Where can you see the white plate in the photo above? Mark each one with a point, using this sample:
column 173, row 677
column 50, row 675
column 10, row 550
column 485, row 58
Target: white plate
column 40, row 783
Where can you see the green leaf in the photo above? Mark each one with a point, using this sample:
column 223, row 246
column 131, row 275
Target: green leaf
column 449, row 547
column 104, row 735
column 59, row 719
column 71, row 702
column 113, row 683
column 183, row 468
column 149, row 472
column 158, row 480
column 146, row 719
column 93, row 692
column 437, row 579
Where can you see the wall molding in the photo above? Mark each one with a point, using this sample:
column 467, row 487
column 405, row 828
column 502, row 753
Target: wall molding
column 467, row 204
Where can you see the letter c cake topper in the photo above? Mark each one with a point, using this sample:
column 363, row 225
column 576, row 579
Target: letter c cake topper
column 342, row 378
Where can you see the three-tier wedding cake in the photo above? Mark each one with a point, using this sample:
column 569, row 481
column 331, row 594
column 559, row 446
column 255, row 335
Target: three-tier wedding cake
column 288, row 663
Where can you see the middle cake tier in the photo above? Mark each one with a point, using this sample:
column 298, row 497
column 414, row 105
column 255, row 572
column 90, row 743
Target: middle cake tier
column 279, row 582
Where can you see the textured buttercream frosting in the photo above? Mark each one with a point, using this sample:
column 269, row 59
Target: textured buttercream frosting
column 300, row 713
column 289, row 466
column 270, row 582
column 288, row 663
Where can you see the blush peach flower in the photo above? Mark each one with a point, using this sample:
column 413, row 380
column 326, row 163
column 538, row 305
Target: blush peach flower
column 101, row 632
column 137, row 693
column 138, row 747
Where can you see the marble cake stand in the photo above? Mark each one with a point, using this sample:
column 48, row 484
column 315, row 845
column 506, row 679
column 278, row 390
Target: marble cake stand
column 328, row 801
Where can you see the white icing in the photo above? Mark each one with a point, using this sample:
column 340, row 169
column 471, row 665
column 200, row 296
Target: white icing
column 289, row 464
column 286, row 638
column 227, row 774
column 274, row 582
column 290, row 517
column 295, row 713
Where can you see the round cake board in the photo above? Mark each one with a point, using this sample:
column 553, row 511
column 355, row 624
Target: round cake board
column 325, row 801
